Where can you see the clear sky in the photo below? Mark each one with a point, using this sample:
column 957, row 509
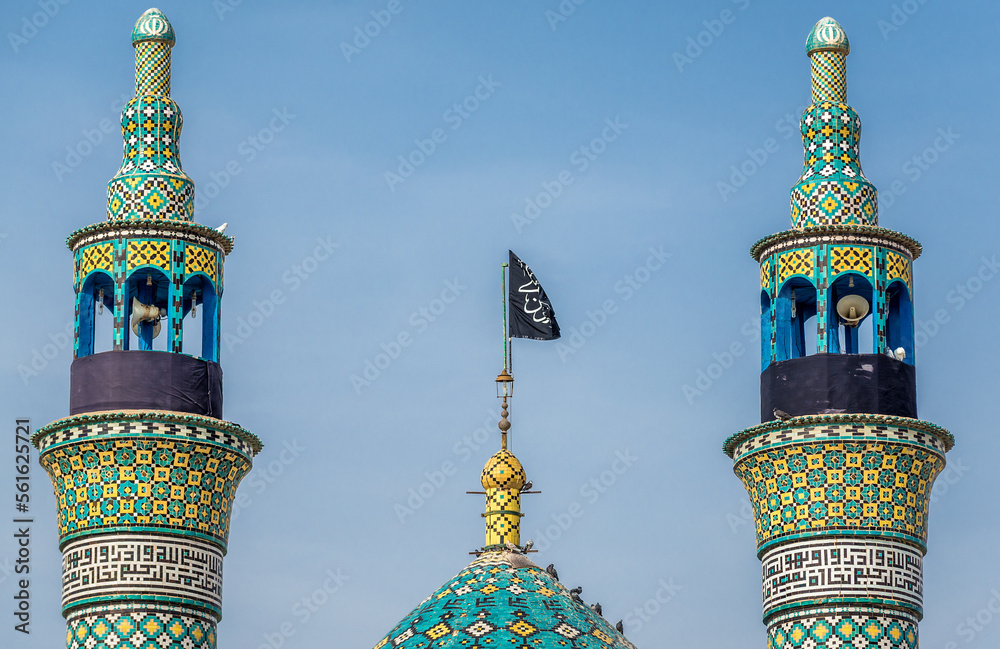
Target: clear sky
column 626, row 125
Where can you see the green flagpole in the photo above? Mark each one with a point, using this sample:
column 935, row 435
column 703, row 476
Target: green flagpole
column 503, row 301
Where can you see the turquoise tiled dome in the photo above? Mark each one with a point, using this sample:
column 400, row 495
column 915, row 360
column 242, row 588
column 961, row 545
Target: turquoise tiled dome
column 502, row 599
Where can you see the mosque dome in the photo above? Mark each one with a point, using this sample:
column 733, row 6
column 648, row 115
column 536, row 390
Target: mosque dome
column 503, row 471
column 502, row 599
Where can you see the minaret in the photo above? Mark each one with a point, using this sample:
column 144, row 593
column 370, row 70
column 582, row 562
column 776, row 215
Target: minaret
column 145, row 469
column 840, row 471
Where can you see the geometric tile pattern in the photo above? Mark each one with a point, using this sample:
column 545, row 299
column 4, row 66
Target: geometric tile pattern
column 827, row 487
column 503, row 517
column 873, row 571
column 148, row 251
column 852, row 258
column 198, row 259
column 152, row 68
column 132, row 627
column 832, row 189
column 97, row 257
column 795, row 262
column 859, row 631
column 829, row 76
column 151, row 183
column 503, row 600
column 147, row 566
column 847, row 431
column 897, row 267
column 828, row 202
column 765, row 274
column 502, row 477
column 503, row 471
column 145, row 482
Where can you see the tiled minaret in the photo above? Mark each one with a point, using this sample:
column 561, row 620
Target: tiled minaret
column 145, row 469
column 840, row 471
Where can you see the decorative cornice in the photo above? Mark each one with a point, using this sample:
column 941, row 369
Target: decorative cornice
column 151, row 415
column 151, row 228
column 834, row 232
column 729, row 446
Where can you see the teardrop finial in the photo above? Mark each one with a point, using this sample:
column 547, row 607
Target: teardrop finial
column 827, row 34
column 153, row 26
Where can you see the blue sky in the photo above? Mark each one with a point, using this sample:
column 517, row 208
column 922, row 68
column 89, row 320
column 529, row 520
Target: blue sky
column 625, row 133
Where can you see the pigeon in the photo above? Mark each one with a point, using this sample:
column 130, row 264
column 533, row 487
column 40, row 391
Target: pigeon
column 222, row 228
column 781, row 414
column 597, row 608
column 527, row 546
column 574, row 594
column 620, row 628
column 527, row 486
column 577, row 590
column 551, row 569
column 900, row 353
column 513, row 548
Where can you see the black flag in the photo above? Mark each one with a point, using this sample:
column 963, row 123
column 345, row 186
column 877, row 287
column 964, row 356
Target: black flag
column 531, row 314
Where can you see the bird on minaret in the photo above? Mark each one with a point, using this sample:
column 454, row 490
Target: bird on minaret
column 620, row 628
column 597, row 608
column 529, row 544
column 527, row 486
column 551, row 569
column 781, row 414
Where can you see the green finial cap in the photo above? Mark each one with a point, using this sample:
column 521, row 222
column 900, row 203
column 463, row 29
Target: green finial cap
column 153, row 26
column 827, row 34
